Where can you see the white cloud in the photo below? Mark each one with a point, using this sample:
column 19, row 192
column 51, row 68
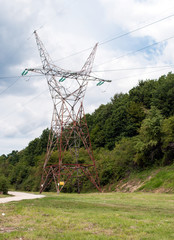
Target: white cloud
column 69, row 27
column 132, row 14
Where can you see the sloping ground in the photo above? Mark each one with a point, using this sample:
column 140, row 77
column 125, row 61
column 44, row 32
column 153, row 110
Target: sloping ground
column 154, row 180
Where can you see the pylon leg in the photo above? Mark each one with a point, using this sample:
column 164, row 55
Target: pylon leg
column 69, row 131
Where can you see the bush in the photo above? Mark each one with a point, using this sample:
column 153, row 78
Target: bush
column 3, row 185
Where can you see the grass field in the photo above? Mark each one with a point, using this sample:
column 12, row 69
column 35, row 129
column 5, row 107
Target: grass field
column 90, row 216
column 3, row 195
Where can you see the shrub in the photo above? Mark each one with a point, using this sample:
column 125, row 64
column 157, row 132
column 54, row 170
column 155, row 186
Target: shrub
column 3, row 185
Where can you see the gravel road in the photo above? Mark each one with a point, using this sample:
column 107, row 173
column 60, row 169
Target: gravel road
column 18, row 196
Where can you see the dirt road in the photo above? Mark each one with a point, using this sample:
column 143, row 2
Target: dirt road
column 18, row 196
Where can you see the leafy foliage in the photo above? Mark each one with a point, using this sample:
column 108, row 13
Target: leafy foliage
column 4, row 185
column 168, row 139
column 144, row 92
column 163, row 95
column 148, row 147
column 132, row 132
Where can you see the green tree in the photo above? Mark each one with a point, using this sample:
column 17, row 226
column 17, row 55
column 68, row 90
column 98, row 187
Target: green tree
column 163, row 95
column 114, row 165
column 18, row 174
column 117, row 122
column 168, row 140
column 98, row 131
column 13, row 157
column 148, row 145
column 97, row 137
column 143, row 93
column 4, row 184
column 135, row 116
column 42, row 146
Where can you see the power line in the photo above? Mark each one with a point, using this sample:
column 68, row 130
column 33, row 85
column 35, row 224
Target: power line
column 114, row 38
column 104, row 42
column 117, row 37
column 133, row 68
column 10, row 86
column 9, row 77
column 105, row 70
column 35, row 97
column 138, row 50
column 137, row 29
column 26, row 103
column 121, row 78
column 29, row 36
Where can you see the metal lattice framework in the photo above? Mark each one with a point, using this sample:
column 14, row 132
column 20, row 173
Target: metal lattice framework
column 69, row 129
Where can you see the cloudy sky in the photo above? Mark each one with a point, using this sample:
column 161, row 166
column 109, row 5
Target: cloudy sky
column 136, row 42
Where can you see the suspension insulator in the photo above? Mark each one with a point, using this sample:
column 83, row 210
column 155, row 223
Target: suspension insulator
column 62, row 79
column 24, row 72
column 100, row 83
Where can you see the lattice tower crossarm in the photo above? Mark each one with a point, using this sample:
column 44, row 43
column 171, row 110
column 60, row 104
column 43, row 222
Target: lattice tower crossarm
column 69, row 130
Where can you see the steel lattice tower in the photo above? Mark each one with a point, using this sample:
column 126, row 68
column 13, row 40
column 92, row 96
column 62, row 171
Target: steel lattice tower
column 69, row 129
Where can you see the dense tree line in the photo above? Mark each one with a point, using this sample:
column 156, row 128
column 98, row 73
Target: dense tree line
column 132, row 132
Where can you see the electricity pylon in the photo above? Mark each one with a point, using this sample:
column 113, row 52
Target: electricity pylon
column 69, row 129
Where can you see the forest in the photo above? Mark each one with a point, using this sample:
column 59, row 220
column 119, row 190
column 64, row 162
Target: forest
column 133, row 132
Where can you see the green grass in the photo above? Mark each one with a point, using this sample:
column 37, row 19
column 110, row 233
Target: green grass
column 162, row 180
column 159, row 180
column 4, row 195
column 129, row 216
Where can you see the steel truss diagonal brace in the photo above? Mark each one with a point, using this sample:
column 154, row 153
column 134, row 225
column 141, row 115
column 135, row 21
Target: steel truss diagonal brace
column 69, row 136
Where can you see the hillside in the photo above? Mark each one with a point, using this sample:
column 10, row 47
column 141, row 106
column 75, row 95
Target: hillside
column 132, row 136
column 157, row 180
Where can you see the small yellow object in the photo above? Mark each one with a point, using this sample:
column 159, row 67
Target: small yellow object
column 61, row 183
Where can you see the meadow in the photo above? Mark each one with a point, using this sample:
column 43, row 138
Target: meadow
column 129, row 216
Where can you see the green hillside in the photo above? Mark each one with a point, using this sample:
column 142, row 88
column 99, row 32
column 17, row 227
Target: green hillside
column 132, row 136
column 157, row 180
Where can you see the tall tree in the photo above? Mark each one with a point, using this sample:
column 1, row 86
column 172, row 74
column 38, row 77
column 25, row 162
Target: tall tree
column 149, row 140
column 163, row 96
column 168, row 140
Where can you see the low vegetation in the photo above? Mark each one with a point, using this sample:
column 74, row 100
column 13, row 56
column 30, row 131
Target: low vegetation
column 90, row 216
column 158, row 180
column 3, row 185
